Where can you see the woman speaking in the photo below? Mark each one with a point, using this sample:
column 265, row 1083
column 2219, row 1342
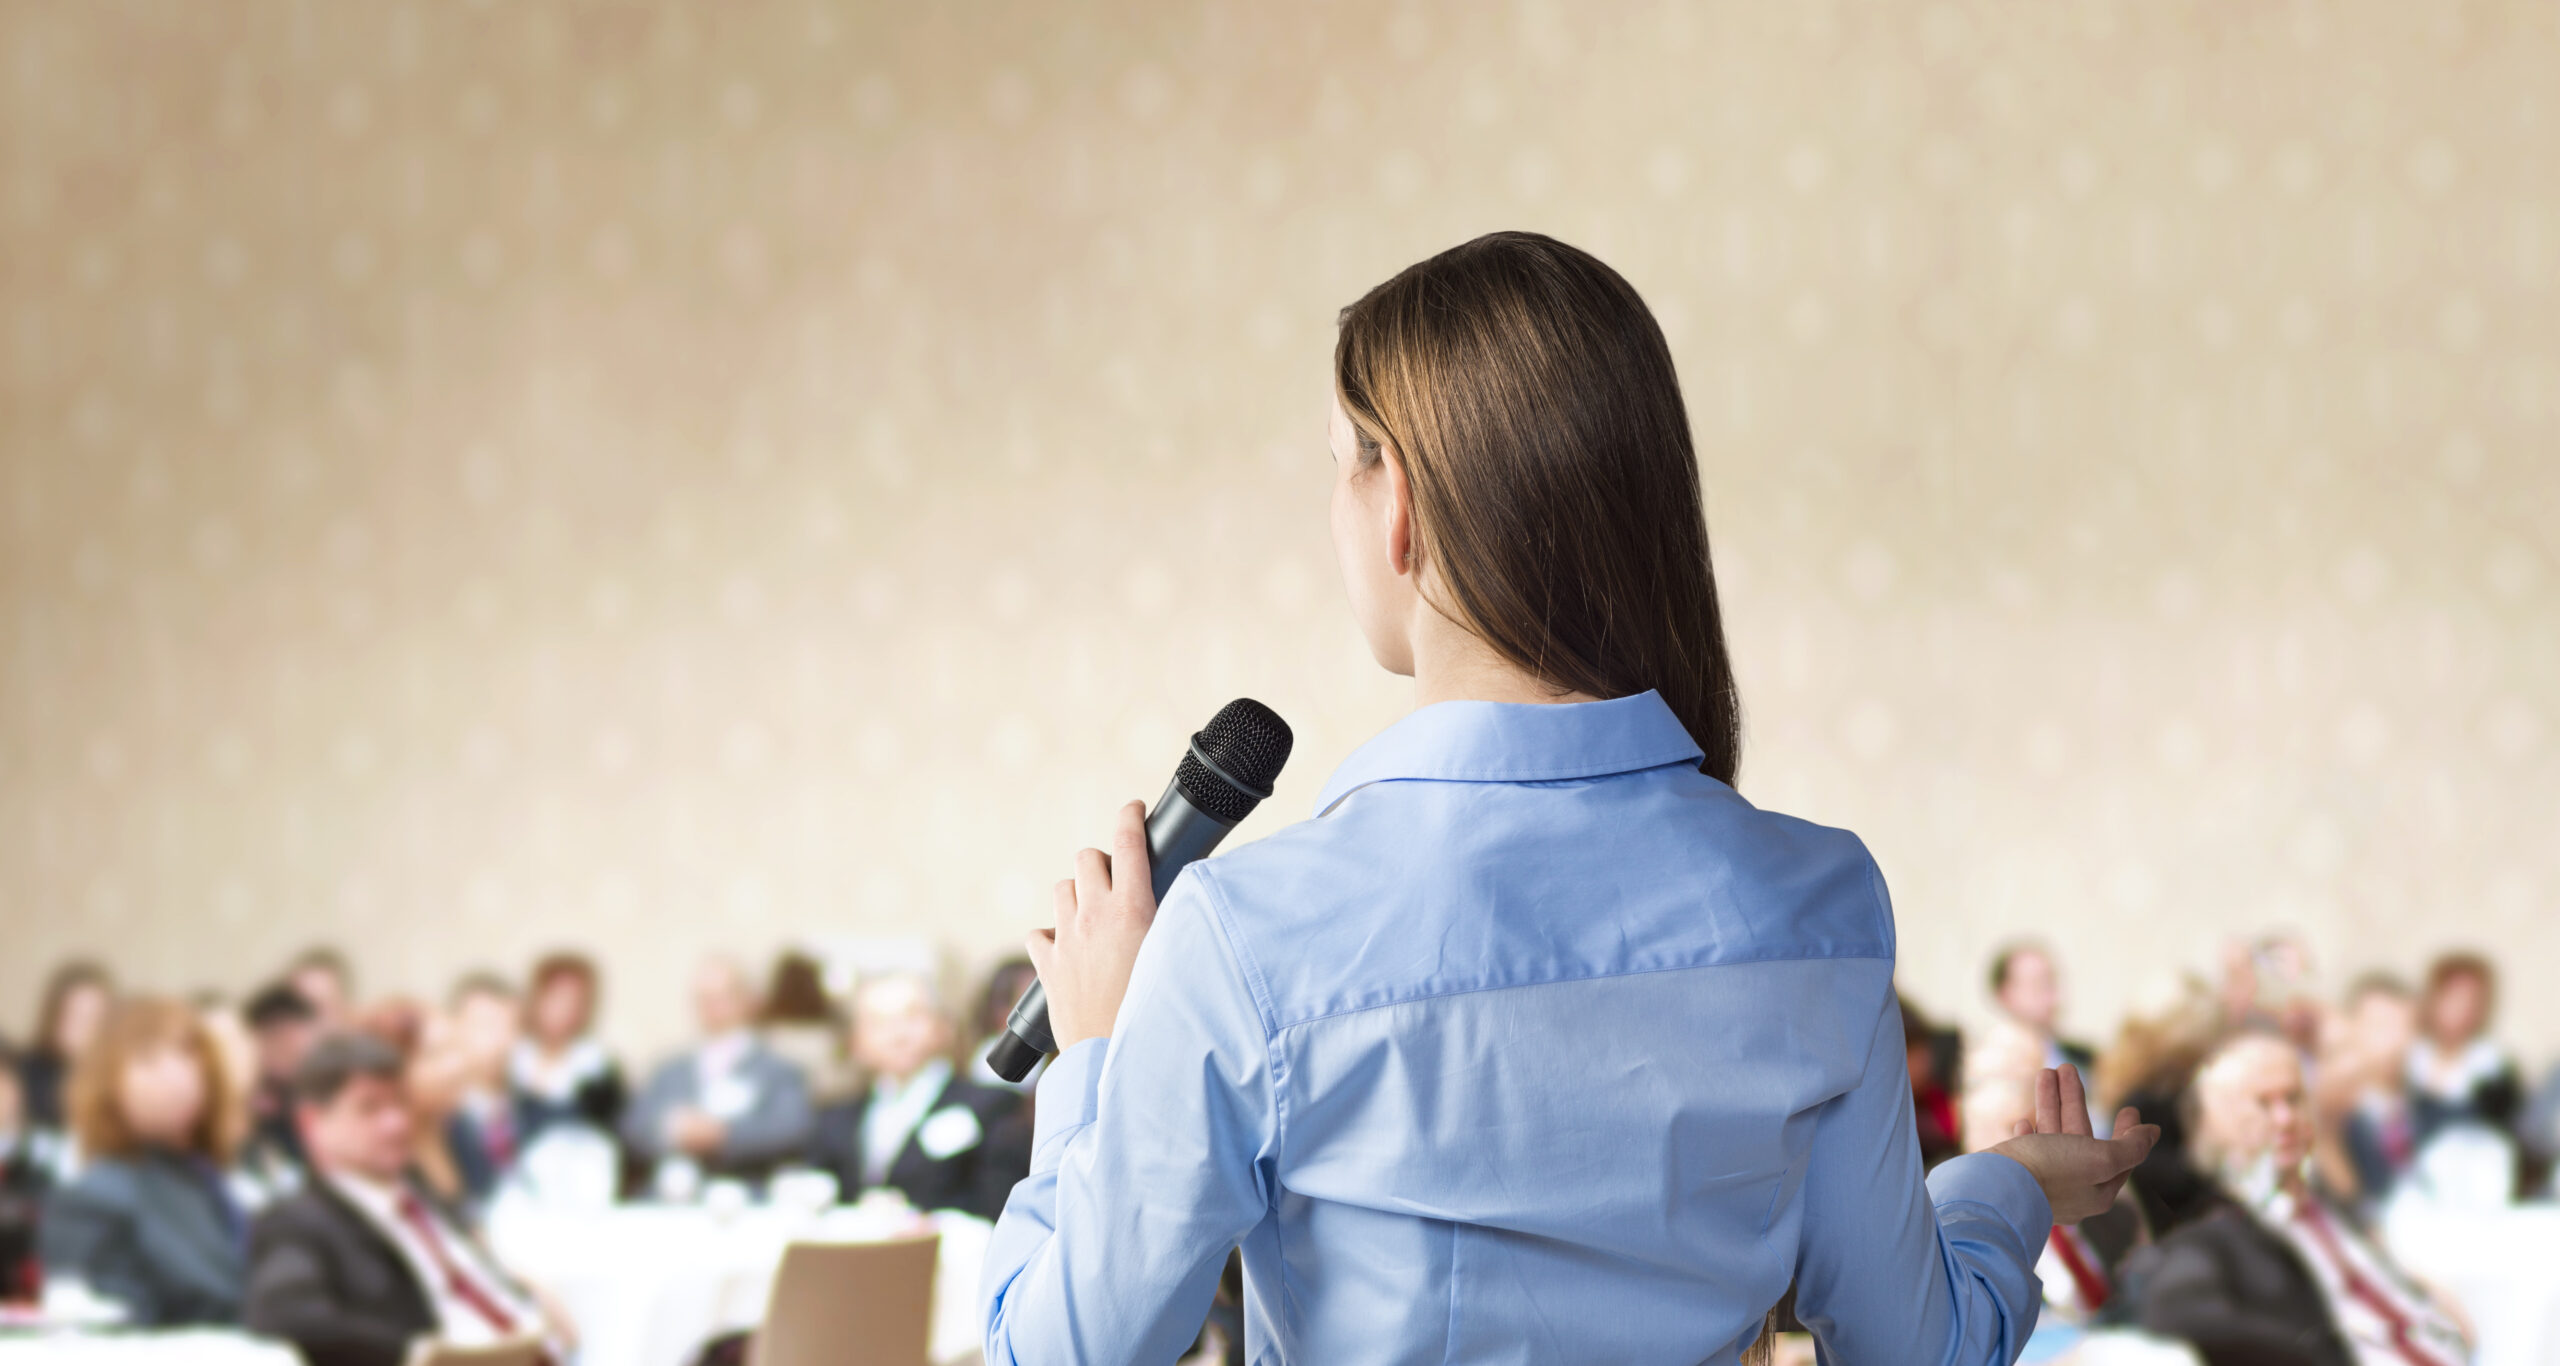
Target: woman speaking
column 1537, row 1043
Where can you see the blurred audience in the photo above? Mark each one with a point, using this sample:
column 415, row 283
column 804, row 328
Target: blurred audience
column 730, row 1106
column 559, row 1072
column 918, row 1127
column 362, row 1265
column 2363, row 1093
column 325, row 979
column 2457, row 1073
column 2275, row 1271
column 481, row 1130
column 282, row 1026
column 2027, row 987
column 799, row 1021
column 30, row 1158
column 1930, row 1055
column 75, row 1003
column 149, row 1222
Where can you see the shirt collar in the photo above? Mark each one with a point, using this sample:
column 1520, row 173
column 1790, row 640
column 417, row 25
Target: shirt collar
column 1517, row 742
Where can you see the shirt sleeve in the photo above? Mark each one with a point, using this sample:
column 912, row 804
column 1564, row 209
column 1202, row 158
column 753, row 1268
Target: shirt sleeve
column 1151, row 1158
column 1891, row 1269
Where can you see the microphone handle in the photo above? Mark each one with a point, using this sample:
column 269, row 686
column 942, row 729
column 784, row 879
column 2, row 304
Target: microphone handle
column 1178, row 833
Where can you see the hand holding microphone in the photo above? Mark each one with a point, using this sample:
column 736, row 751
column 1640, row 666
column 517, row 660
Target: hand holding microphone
column 1105, row 909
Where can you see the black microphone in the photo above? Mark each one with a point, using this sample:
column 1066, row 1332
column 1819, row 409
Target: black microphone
column 1227, row 773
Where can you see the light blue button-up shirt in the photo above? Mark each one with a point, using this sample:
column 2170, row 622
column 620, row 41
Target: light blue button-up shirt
column 1535, row 1045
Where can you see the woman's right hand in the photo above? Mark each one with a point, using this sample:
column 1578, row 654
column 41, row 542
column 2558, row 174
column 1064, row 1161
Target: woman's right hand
column 2080, row 1172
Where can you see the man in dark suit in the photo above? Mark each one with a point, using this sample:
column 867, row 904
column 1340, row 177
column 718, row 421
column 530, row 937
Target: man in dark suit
column 360, row 1264
column 936, row 1138
column 2272, row 1273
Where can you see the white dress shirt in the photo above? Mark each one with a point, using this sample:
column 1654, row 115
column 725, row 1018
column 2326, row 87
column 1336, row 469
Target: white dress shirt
column 895, row 1110
column 457, row 1322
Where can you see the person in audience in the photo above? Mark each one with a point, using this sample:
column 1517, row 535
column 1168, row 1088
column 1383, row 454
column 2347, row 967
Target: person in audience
column 1005, row 985
column 558, row 1071
column 432, row 1076
column 327, row 981
column 282, row 1026
column 76, row 999
column 730, row 1107
column 149, row 1221
column 481, row 1132
column 2027, row 987
column 2151, row 1067
column 29, row 1160
column 2457, row 1073
column 800, row 1021
column 1930, row 1056
column 2273, row 1273
column 361, row 1265
column 2364, row 1090
column 917, row 1127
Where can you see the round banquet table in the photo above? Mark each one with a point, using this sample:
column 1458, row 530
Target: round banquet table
column 200, row 1348
column 647, row 1285
column 2502, row 1264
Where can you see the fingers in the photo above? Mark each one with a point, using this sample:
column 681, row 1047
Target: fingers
column 2048, row 1102
column 1038, row 946
column 1093, row 874
column 1129, row 847
column 1062, row 903
column 2022, row 1128
column 2126, row 1118
column 2075, row 1101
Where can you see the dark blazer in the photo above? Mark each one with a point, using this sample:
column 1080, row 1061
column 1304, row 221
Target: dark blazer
column 323, row 1278
column 25, row 1177
column 2236, row 1291
column 156, row 1232
column 976, row 1179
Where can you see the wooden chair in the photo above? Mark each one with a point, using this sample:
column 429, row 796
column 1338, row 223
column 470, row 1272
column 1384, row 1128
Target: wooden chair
column 520, row 1352
column 850, row 1304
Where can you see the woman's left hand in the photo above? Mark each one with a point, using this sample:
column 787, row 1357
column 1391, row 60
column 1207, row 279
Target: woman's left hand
column 1103, row 915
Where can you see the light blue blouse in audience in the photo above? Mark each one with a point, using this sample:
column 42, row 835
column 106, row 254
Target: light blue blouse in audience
column 1534, row 1045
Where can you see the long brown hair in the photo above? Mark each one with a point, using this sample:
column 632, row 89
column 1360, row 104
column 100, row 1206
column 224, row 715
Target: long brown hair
column 136, row 1026
column 1531, row 400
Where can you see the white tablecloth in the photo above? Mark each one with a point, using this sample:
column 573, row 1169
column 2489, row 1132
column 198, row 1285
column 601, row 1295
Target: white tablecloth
column 648, row 1284
column 2503, row 1264
column 142, row 1349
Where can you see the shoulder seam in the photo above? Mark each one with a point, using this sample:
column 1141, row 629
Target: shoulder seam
column 1278, row 1029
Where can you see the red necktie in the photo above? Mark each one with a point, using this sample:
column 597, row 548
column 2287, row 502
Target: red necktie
column 2317, row 1220
column 457, row 1281
column 2085, row 1276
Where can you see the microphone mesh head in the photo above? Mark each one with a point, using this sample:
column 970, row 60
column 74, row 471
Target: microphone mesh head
column 1251, row 743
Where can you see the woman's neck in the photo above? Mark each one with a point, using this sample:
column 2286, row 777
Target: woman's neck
column 1454, row 664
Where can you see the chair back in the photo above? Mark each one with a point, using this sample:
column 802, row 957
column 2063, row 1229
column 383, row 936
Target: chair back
column 517, row 1352
column 851, row 1304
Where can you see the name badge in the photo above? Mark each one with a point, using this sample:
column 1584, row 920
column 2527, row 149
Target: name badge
column 947, row 1132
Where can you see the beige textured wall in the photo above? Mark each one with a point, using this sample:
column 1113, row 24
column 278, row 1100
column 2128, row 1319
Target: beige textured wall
column 479, row 476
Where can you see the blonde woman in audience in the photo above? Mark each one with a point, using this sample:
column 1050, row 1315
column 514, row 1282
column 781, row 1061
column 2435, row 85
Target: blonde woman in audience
column 150, row 1222
column 76, row 999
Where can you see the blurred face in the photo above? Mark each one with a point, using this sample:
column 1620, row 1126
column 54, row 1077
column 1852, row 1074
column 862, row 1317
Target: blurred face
column 324, row 989
column 2032, row 991
column 1372, row 535
column 721, row 1001
column 2380, row 1027
column 366, row 1130
column 162, row 1093
column 13, row 1102
column 2459, row 1009
column 896, row 1030
column 280, row 1047
column 484, row 1027
column 84, row 1008
column 441, row 1070
column 2252, row 1105
column 560, row 1010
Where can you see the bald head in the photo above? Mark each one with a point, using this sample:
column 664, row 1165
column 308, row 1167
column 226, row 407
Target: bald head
column 2249, row 1104
column 722, row 999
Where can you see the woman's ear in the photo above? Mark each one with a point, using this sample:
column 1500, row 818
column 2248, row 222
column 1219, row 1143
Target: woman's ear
column 1397, row 509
